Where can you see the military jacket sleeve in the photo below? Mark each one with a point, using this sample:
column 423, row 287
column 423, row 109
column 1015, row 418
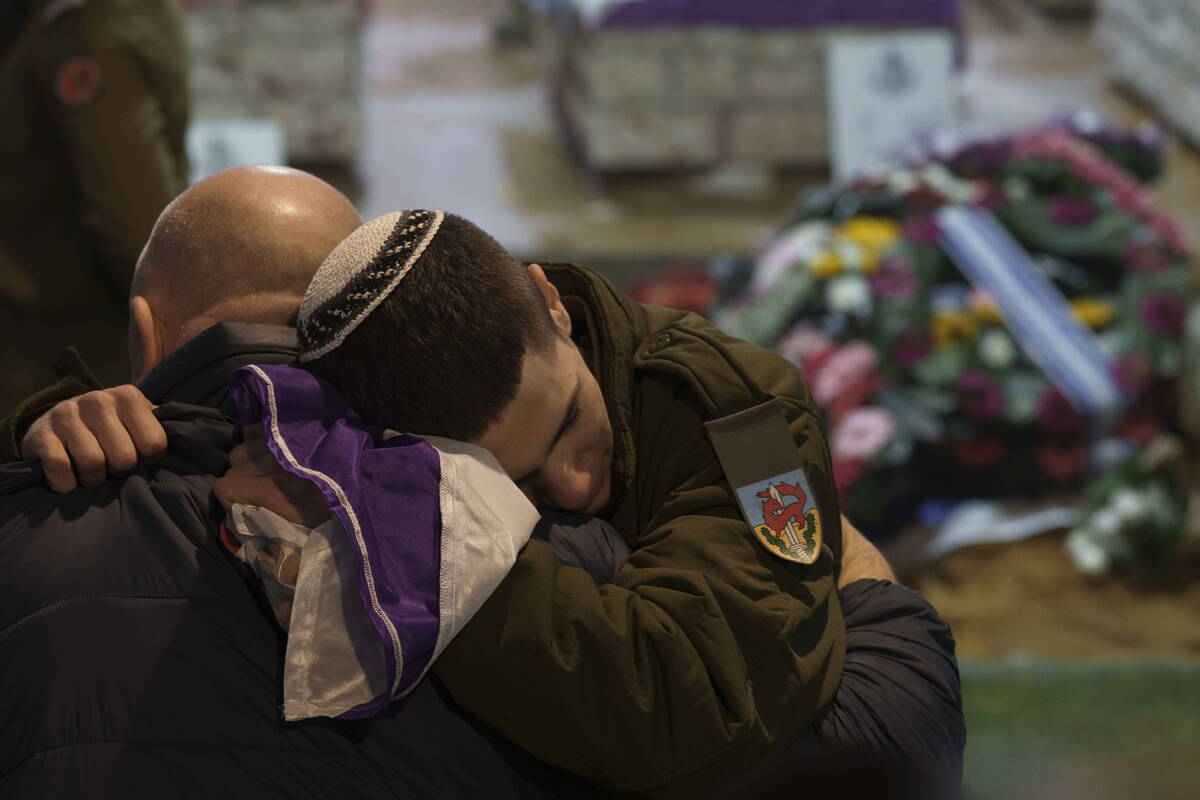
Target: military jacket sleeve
column 708, row 650
column 113, row 74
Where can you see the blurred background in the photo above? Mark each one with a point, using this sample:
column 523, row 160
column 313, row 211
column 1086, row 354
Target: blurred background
column 917, row 202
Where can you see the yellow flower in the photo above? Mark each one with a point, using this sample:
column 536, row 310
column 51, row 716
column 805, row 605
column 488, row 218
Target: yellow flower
column 947, row 327
column 986, row 314
column 826, row 265
column 1092, row 312
column 872, row 233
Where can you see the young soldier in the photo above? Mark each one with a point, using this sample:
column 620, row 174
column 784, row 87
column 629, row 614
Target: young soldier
column 720, row 639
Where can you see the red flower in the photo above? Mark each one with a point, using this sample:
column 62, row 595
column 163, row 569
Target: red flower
column 1055, row 414
column 845, row 472
column 1061, row 461
column 912, row 345
column 1072, row 211
column 1139, row 430
column 1149, row 258
column 981, row 453
column 1162, row 313
column 980, row 397
column 1133, row 373
column 921, row 230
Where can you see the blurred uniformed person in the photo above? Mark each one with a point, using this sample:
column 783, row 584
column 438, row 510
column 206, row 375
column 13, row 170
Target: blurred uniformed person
column 93, row 113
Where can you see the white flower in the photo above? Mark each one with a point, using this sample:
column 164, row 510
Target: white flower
column 902, row 181
column 849, row 294
column 1127, row 504
column 996, row 349
column 1087, row 556
column 850, row 253
column 1017, row 188
column 1106, row 523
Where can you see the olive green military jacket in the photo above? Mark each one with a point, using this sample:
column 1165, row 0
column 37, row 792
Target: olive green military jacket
column 93, row 113
column 708, row 650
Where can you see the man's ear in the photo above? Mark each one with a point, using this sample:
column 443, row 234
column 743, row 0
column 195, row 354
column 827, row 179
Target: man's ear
column 145, row 338
column 558, row 312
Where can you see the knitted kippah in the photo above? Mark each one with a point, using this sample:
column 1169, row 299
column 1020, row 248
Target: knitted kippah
column 358, row 275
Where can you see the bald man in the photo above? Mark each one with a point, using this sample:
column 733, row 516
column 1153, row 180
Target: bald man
column 138, row 659
column 235, row 250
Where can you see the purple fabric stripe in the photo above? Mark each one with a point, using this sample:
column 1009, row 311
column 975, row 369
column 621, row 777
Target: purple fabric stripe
column 389, row 496
column 784, row 13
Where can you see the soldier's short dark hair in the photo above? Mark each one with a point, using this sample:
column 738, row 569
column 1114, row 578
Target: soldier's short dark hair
column 442, row 354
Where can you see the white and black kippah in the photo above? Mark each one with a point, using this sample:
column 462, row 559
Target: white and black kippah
column 358, row 275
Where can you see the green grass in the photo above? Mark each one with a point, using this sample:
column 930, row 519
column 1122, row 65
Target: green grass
column 1086, row 730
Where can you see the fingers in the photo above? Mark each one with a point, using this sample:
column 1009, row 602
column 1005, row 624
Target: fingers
column 42, row 445
column 93, row 436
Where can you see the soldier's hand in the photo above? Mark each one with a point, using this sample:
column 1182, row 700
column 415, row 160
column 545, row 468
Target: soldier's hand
column 88, row 438
column 255, row 478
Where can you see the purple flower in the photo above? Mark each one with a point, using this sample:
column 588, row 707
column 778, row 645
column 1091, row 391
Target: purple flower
column 921, row 230
column 912, row 345
column 1055, row 414
column 980, row 397
column 1162, row 313
column 894, row 279
column 1147, row 257
column 1072, row 212
column 1134, row 373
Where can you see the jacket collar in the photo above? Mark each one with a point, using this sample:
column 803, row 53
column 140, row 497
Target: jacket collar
column 198, row 373
column 609, row 326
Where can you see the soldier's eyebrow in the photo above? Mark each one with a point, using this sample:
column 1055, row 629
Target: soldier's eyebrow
column 568, row 419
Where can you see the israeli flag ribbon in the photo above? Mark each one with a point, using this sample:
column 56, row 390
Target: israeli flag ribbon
column 1035, row 312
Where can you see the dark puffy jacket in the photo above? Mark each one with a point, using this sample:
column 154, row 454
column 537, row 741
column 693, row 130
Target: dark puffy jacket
column 137, row 659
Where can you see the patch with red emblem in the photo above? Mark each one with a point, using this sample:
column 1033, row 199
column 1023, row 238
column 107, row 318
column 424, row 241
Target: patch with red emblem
column 78, row 81
column 765, row 470
column 783, row 516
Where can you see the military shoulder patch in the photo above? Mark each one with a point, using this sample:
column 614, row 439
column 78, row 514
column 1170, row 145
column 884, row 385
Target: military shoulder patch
column 783, row 516
column 78, row 81
column 765, row 470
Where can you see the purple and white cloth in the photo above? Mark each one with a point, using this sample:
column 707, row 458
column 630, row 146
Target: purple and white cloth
column 423, row 531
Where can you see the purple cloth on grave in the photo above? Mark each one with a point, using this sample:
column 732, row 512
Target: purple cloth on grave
column 784, row 13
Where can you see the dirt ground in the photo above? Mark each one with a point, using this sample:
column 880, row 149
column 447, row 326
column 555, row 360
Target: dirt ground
column 1026, row 599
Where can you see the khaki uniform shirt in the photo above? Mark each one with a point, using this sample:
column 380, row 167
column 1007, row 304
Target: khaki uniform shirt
column 93, row 113
column 708, row 651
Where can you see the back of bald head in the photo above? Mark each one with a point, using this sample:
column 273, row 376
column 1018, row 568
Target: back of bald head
column 239, row 246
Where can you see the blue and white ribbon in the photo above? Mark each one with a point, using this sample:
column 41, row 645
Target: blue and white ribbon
column 1035, row 312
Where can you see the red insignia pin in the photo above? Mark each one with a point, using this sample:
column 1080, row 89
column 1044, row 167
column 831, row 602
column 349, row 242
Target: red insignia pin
column 78, row 81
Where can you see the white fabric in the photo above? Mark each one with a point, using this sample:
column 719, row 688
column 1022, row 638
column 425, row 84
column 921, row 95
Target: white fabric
column 335, row 659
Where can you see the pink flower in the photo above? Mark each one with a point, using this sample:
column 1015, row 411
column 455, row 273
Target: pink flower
column 1072, row 211
column 991, row 198
column 912, row 345
column 894, row 279
column 855, row 361
column 921, row 230
column 1147, row 257
column 1055, row 414
column 1133, row 373
column 862, row 433
column 805, row 347
column 1162, row 313
column 980, row 397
